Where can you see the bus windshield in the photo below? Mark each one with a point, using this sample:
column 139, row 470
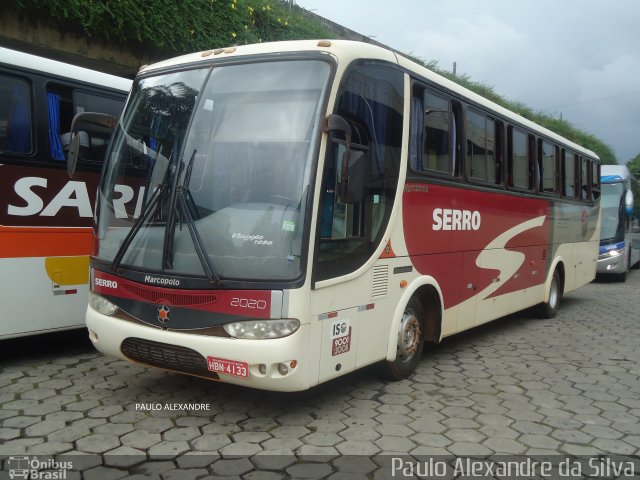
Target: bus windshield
column 210, row 171
column 612, row 208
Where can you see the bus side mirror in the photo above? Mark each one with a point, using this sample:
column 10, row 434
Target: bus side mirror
column 86, row 122
column 628, row 202
column 351, row 185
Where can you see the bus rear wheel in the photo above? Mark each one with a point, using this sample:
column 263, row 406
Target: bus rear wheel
column 549, row 309
column 410, row 343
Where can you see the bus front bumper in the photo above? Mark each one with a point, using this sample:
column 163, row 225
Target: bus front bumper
column 272, row 364
column 611, row 264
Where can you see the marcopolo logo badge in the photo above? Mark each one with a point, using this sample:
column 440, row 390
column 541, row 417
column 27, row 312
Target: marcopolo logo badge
column 163, row 314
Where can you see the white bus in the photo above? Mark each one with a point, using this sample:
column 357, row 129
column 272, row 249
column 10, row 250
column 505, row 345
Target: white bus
column 619, row 246
column 45, row 219
column 278, row 215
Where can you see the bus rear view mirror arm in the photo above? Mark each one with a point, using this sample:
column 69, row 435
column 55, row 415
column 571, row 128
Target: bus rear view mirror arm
column 90, row 122
column 351, row 186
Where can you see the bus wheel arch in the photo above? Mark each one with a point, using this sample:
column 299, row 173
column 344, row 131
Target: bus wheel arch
column 417, row 319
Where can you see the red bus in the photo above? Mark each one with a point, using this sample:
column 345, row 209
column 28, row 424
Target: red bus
column 298, row 210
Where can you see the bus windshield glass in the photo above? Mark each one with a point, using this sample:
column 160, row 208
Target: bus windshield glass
column 612, row 208
column 210, row 171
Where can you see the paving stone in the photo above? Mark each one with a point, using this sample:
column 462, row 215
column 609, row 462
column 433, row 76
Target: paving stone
column 210, row 442
column 9, row 433
column 313, row 453
column 104, row 411
column 230, row 467
column 600, row 431
column 169, row 449
column 38, row 394
column 98, row 443
column 273, row 460
column 104, row 473
column 505, row 445
column 355, row 447
column 235, row 450
column 359, row 465
column 309, row 470
column 388, row 444
column 20, row 421
column 69, row 434
column 117, row 429
column 50, row 448
column 181, row 433
column 140, row 439
column 154, row 425
column 470, row 449
column 43, row 428
column 499, row 431
column 289, row 431
column 287, row 445
column 614, row 446
column 572, row 436
column 124, row 457
column 322, row 439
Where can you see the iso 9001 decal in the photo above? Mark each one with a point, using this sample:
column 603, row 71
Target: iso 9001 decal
column 340, row 337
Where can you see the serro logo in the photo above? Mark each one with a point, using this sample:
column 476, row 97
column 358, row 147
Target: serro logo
column 103, row 282
column 452, row 219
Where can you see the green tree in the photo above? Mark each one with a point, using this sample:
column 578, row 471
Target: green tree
column 634, row 167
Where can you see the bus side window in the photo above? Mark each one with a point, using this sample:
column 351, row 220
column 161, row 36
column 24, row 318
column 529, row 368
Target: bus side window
column 63, row 103
column 84, row 101
column 481, row 147
column 585, row 181
column 518, row 162
column 433, row 133
column 547, row 160
column 15, row 116
column 595, row 180
column 569, row 174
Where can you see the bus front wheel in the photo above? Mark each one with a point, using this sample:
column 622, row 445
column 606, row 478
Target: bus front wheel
column 549, row 309
column 410, row 343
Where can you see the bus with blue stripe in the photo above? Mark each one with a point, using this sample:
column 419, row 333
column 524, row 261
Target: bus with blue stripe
column 619, row 246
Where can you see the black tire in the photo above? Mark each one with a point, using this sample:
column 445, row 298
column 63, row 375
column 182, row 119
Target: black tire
column 550, row 308
column 410, row 343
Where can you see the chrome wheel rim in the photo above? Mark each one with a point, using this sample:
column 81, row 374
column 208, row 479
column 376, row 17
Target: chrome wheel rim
column 553, row 293
column 408, row 336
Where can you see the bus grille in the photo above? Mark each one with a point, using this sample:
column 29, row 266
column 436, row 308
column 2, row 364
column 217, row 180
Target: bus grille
column 166, row 356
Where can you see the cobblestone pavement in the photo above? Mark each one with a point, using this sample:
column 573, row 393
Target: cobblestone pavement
column 521, row 385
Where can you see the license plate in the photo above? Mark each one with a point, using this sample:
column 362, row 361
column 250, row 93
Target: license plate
column 228, row 367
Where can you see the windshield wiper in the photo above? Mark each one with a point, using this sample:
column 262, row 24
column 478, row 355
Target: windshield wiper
column 178, row 204
column 146, row 213
column 197, row 240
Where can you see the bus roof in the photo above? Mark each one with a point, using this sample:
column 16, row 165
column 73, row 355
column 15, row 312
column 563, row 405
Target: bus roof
column 345, row 51
column 61, row 69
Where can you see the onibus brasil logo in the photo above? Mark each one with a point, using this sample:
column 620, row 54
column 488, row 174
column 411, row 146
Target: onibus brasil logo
column 34, row 468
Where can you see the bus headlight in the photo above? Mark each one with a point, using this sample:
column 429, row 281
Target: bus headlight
column 259, row 329
column 615, row 253
column 101, row 304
